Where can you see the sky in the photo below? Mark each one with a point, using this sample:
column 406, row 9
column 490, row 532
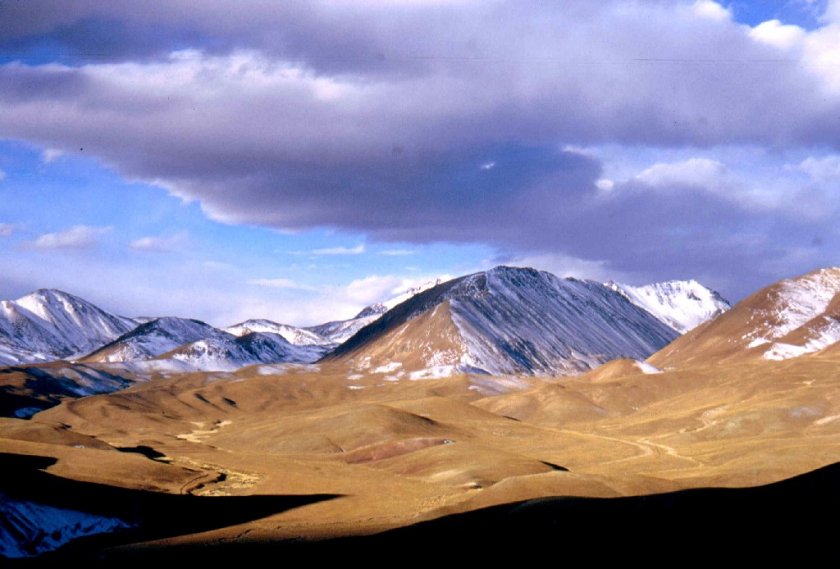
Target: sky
column 300, row 160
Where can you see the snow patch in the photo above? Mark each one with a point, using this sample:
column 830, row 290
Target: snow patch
column 279, row 369
column 436, row 372
column 282, row 369
column 826, row 420
column 820, row 339
column 497, row 385
column 388, row 368
column 647, row 368
column 30, row 529
column 758, row 342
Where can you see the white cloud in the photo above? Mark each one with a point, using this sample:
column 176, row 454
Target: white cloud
column 357, row 250
column 773, row 32
column 6, row 229
column 325, row 303
column 567, row 266
column 51, row 155
column 822, row 56
column 372, row 289
column 397, row 252
column 832, row 11
column 159, row 243
column 699, row 172
column 604, row 184
column 77, row 237
column 711, row 11
column 2, row 175
column 378, row 288
column 488, row 165
column 281, row 283
column 821, row 169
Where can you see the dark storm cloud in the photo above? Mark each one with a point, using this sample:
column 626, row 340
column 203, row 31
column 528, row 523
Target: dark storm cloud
column 426, row 121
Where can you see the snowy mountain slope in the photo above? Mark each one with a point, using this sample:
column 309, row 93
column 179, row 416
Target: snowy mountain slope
column 155, row 338
column 293, row 334
column 228, row 353
column 817, row 334
column 682, row 305
column 788, row 319
column 506, row 320
column 339, row 331
column 51, row 324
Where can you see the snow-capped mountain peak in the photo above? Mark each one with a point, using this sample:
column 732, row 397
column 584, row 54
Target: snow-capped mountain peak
column 506, row 320
column 50, row 324
column 682, row 305
column 293, row 334
column 155, row 338
column 227, row 353
column 377, row 309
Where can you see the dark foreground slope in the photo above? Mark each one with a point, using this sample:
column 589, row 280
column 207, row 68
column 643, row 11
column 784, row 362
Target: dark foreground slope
column 139, row 515
column 780, row 522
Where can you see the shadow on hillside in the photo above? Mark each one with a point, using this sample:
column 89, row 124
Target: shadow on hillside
column 790, row 521
column 152, row 515
column 26, row 390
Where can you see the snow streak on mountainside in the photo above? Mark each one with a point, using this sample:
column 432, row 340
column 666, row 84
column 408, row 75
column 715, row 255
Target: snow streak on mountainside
column 155, row 338
column 228, row 353
column 504, row 321
column 682, row 305
column 50, row 324
column 791, row 318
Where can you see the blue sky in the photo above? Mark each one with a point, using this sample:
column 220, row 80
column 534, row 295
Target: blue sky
column 299, row 161
column 136, row 249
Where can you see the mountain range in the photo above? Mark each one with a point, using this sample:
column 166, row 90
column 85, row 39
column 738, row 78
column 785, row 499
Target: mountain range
column 513, row 407
column 506, row 320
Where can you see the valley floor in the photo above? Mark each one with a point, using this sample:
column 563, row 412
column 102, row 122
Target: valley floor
column 316, row 456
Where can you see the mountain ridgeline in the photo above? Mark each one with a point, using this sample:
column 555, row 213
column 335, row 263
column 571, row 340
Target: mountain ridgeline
column 502, row 321
column 49, row 325
column 506, row 321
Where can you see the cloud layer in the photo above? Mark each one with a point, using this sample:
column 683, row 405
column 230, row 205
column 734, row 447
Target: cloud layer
column 455, row 121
